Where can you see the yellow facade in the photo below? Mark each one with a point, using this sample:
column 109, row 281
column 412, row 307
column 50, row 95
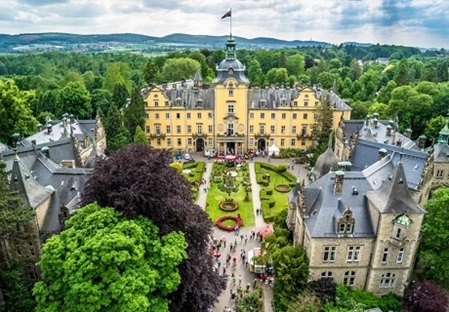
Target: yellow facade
column 231, row 117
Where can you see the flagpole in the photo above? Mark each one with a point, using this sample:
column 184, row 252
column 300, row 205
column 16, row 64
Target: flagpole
column 230, row 23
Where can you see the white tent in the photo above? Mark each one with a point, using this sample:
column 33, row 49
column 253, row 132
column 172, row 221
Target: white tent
column 273, row 150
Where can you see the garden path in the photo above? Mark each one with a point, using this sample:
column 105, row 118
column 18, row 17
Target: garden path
column 202, row 196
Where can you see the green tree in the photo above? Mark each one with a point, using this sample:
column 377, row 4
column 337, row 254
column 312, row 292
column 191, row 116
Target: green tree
column 177, row 69
column 433, row 254
column 15, row 114
column 140, row 136
column 401, row 77
column 385, row 92
column 100, row 100
column 434, row 127
column 117, row 72
column 16, row 289
column 151, row 71
column 305, row 302
column 295, row 65
column 75, row 99
column 120, row 95
column 291, row 273
column 71, row 76
column 282, row 60
column 327, row 80
column 102, row 261
column 118, row 136
column 277, row 75
column 134, row 113
column 255, row 74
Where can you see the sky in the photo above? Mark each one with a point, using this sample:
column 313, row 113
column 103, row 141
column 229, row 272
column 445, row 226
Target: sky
column 417, row 23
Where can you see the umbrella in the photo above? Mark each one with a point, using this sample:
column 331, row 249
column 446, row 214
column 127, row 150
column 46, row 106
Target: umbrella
column 265, row 231
column 230, row 157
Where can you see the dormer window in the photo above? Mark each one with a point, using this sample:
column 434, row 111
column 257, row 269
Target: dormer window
column 230, row 71
column 345, row 224
column 263, row 103
column 283, row 101
column 199, row 103
column 178, row 101
column 400, row 226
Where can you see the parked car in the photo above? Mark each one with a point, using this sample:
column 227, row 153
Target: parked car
column 189, row 161
column 187, row 157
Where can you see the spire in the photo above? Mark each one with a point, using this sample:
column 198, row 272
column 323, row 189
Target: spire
column 443, row 137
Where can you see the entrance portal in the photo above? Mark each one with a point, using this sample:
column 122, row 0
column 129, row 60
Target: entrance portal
column 230, row 148
column 199, row 145
column 261, row 144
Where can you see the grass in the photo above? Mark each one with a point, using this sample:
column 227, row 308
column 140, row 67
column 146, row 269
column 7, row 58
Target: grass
column 215, row 196
column 281, row 199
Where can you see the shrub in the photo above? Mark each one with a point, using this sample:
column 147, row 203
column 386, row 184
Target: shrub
column 238, row 222
column 269, row 191
column 281, row 168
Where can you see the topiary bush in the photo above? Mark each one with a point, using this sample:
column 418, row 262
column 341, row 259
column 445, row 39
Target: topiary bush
column 281, row 168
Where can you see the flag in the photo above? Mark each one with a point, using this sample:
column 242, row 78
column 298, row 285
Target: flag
column 227, row 14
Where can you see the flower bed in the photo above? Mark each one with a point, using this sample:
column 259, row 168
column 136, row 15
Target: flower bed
column 229, row 206
column 283, row 188
column 238, row 222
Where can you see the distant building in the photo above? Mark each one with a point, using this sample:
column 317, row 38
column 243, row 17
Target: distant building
column 231, row 117
column 50, row 169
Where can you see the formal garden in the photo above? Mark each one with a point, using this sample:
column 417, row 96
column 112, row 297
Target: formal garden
column 229, row 199
column 193, row 172
column 276, row 182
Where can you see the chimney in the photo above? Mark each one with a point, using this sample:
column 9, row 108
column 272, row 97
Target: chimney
column 368, row 117
column 354, row 191
column 382, row 153
column 422, row 141
column 339, row 178
column 46, row 151
column 389, row 130
column 408, row 133
column 49, row 128
column 376, row 121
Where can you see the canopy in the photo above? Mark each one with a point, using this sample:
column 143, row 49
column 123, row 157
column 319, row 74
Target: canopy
column 273, row 150
column 230, row 157
column 265, row 231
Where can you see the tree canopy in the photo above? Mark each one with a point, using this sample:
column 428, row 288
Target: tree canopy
column 425, row 297
column 137, row 181
column 102, row 261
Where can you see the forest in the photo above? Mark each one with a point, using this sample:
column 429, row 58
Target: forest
column 413, row 85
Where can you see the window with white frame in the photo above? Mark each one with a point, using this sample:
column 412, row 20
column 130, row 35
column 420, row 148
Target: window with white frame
column 178, row 129
column 167, row 115
column 271, row 142
column 294, row 116
column 230, row 108
column 387, row 280
column 353, row 254
column 179, row 142
column 284, row 116
column 168, row 129
column 262, row 115
column 385, row 256
column 251, row 142
column 188, row 115
column 292, row 142
column 157, row 129
column 168, row 142
column 156, row 116
column 209, row 115
column 199, row 129
column 189, row 141
column 282, row 142
column 329, row 254
column 349, row 278
column 199, row 115
column 272, row 129
column 326, row 274
column 283, row 129
column 209, row 128
column 251, row 115
column 273, row 115
column 230, row 129
column 400, row 256
column 262, row 129
column 147, row 129
column 189, row 129
column 210, row 141
column 293, row 129
column 158, row 141
column 251, row 129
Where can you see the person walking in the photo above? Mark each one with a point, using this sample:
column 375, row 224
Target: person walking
column 240, row 279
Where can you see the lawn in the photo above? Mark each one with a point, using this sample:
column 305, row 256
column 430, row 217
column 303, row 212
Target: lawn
column 273, row 201
column 215, row 196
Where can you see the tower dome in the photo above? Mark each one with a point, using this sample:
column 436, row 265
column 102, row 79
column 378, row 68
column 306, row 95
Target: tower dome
column 231, row 66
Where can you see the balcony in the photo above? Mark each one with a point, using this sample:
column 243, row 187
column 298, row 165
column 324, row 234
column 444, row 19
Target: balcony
column 226, row 137
column 303, row 135
column 157, row 136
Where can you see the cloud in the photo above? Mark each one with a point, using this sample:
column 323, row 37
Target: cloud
column 42, row 2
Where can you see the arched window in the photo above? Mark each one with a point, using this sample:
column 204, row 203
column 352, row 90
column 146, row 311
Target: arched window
column 387, row 280
column 326, row 274
column 349, row 278
column 199, row 103
column 401, row 224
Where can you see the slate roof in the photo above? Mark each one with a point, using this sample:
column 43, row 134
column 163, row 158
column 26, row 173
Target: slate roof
column 366, row 153
column 324, row 207
column 393, row 195
column 294, row 193
column 380, row 183
column 325, row 162
column 441, row 153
